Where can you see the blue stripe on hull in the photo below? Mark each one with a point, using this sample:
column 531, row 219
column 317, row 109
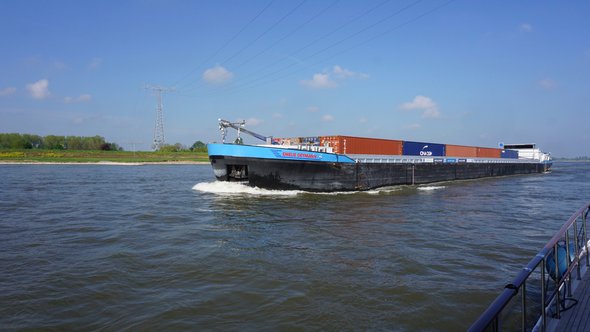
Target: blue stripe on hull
column 250, row 151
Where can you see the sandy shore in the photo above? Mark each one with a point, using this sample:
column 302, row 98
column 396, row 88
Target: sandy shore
column 108, row 163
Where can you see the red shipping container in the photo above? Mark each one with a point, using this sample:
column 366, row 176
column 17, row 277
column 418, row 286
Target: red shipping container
column 362, row 145
column 333, row 141
column 461, row 151
column 488, row 152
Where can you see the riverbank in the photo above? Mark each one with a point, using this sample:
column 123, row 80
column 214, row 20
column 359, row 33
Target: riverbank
column 107, row 163
column 100, row 157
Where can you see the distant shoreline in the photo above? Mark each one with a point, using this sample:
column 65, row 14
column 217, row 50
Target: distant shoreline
column 105, row 163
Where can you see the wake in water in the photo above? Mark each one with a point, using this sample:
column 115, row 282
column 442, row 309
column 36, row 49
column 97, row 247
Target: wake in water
column 236, row 188
column 431, row 188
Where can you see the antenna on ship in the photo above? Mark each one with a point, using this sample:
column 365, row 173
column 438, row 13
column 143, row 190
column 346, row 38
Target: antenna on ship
column 159, row 127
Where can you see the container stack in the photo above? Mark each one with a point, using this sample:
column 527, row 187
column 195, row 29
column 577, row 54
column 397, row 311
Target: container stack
column 377, row 146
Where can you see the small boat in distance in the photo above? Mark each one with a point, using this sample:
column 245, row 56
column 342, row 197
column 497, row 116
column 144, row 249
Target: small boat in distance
column 348, row 163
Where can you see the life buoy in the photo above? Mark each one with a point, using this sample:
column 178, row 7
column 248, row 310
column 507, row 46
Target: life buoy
column 561, row 259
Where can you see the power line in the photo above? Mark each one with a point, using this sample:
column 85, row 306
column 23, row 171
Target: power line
column 225, row 44
column 252, row 83
column 341, row 40
column 235, row 54
column 265, row 32
column 291, row 54
column 321, row 12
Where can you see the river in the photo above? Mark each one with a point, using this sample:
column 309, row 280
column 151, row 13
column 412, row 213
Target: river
column 166, row 247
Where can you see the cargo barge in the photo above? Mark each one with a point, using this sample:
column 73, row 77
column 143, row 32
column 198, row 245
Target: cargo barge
column 348, row 163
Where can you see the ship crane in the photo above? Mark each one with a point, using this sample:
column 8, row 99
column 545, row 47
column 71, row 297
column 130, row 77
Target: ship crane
column 239, row 126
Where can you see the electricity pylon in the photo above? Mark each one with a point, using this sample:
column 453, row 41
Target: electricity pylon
column 159, row 127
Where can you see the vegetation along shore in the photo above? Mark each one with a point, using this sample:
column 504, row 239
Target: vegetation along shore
column 25, row 148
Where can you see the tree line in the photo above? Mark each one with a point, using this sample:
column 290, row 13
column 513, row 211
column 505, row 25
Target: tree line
column 198, row 146
column 55, row 142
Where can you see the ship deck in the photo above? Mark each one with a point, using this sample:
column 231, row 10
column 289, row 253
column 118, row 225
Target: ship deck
column 578, row 317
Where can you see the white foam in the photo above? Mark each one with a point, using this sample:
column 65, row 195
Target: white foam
column 235, row 188
column 430, row 188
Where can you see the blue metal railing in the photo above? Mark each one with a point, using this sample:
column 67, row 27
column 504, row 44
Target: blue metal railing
column 549, row 256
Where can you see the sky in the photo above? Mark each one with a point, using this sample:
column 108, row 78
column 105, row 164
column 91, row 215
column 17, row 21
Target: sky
column 458, row 72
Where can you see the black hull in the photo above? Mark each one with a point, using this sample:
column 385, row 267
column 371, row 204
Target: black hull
column 324, row 176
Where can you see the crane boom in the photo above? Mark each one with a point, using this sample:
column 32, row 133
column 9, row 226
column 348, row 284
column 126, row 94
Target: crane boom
column 239, row 126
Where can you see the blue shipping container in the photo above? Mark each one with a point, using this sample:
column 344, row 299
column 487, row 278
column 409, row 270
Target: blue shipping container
column 510, row 154
column 423, row 149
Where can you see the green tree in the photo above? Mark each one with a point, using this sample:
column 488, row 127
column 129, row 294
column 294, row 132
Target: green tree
column 12, row 141
column 74, row 143
column 34, row 141
column 111, row 147
column 172, row 148
column 54, row 142
column 199, row 146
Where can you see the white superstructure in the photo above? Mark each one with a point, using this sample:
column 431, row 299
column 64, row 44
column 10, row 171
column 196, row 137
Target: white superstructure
column 529, row 151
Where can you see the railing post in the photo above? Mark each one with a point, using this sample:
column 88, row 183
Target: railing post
column 585, row 225
column 557, row 280
column 577, row 248
column 568, row 263
column 543, row 296
column 523, row 305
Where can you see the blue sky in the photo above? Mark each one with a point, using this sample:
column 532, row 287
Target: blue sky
column 459, row 72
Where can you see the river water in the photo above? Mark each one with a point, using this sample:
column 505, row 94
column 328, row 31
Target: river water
column 88, row 247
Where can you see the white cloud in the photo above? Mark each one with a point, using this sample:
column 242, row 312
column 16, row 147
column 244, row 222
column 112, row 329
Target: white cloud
column 328, row 117
column 526, row 27
column 39, row 89
column 425, row 104
column 341, row 72
column 345, row 73
column 7, row 91
column 277, row 115
column 547, row 84
column 363, row 120
column 81, row 98
column 431, row 113
column 253, row 122
column 95, row 63
column 330, row 78
column 320, row 81
column 217, row 75
column 84, row 97
column 313, row 109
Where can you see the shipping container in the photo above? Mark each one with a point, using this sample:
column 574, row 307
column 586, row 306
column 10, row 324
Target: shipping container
column 310, row 140
column 461, row 151
column 510, row 154
column 335, row 142
column 488, row 152
column 362, row 145
column 423, row 149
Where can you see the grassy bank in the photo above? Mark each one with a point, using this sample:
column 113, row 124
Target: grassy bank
column 100, row 156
